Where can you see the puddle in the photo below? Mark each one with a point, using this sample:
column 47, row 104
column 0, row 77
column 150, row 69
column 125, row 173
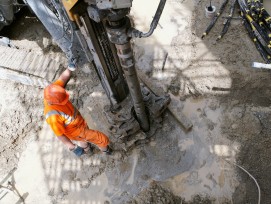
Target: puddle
column 192, row 105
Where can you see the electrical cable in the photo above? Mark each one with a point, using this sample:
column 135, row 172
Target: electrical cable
column 242, row 168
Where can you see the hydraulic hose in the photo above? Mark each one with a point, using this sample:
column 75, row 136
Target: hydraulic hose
column 136, row 33
column 211, row 25
column 257, row 23
column 228, row 21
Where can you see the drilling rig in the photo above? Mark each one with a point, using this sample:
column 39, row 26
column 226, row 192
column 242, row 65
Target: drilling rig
column 100, row 32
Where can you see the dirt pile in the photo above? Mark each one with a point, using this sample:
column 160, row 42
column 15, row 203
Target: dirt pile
column 21, row 120
column 156, row 194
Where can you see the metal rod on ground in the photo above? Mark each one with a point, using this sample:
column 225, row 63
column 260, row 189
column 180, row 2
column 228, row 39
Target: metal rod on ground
column 233, row 18
column 211, row 25
column 164, row 62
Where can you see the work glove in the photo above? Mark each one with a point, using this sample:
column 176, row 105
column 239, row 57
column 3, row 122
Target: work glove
column 78, row 151
column 72, row 64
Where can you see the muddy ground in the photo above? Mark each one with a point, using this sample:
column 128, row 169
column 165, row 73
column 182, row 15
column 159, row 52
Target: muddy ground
column 227, row 101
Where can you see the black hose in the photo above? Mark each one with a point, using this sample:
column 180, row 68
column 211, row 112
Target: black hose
column 228, row 21
column 136, row 33
column 211, row 25
column 256, row 21
column 258, row 45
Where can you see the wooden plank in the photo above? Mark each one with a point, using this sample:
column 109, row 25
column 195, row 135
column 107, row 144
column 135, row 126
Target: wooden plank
column 52, row 68
column 28, row 59
column 33, row 65
column 4, row 56
column 39, row 65
column 28, row 63
column 175, row 108
column 8, row 57
column 18, row 59
column 45, row 66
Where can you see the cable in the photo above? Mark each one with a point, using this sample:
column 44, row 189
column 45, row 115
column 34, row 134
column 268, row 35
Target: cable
column 257, row 22
column 259, row 190
column 132, row 32
column 228, row 21
column 211, row 25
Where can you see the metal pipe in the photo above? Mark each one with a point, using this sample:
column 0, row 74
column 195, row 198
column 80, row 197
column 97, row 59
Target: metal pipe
column 125, row 55
column 136, row 33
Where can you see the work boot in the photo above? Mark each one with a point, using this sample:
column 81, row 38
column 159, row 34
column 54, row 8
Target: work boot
column 89, row 150
column 108, row 151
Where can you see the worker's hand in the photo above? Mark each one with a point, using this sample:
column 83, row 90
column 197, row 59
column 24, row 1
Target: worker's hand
column 72, row 64
column 78, row 151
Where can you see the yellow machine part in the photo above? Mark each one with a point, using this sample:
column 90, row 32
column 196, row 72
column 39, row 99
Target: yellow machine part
column 68, row 5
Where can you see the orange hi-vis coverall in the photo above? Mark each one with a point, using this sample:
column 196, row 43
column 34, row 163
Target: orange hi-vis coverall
column 66, row 120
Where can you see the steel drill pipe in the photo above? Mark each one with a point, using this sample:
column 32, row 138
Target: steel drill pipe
column 127, row 63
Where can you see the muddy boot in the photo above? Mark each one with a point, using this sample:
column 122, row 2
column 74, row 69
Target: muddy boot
column 89, row 150
column 109, row 151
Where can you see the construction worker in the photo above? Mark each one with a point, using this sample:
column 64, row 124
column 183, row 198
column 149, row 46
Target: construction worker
column 66, row 121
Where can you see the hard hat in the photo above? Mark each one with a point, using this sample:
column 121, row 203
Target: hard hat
column 55, row 94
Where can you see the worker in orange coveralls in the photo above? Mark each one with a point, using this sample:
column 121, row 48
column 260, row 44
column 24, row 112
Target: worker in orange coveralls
column 66, row 121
